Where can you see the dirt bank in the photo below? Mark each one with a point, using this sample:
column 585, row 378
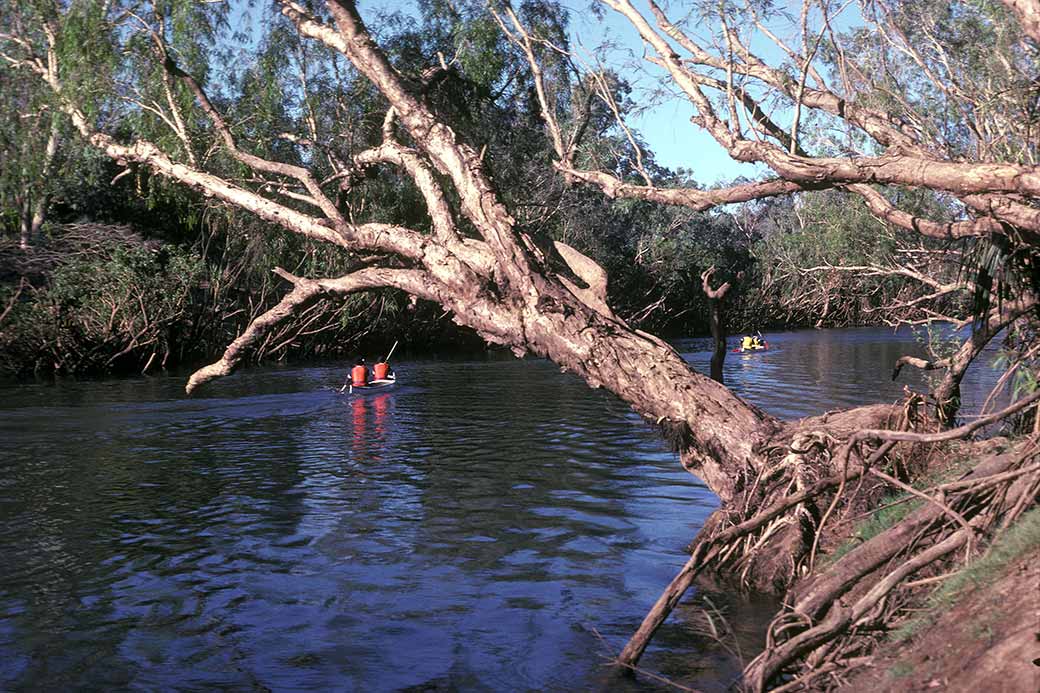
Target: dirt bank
column 988, row 640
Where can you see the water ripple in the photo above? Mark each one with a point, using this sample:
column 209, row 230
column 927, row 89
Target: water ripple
column 485, row 525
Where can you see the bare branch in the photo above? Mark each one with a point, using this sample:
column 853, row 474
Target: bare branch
column 886, row 211
column 985, row 189
column 523, row 39
column 306, row 292
column 952, row 434
column 1028, row 14
column 456, row 160
column 718, row 293
column 259, row 163
column 409, row 160
column 693, row 198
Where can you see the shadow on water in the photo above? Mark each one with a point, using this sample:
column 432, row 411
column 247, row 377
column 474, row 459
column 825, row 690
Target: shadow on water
column 486, row 524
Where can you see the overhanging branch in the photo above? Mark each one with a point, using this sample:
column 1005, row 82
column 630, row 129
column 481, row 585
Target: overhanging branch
column 305, row 293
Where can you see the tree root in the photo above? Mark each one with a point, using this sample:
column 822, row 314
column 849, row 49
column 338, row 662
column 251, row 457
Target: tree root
column 817, row 634
column 998, row 490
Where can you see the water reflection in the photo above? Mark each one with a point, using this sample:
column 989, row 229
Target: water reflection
column 808, row 372
column 484, row 525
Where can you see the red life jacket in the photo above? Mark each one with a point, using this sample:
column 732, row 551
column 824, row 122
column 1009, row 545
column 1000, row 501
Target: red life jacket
column 380, row 370
column 359, row 376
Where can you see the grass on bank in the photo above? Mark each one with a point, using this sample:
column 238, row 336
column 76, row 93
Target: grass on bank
column 1019, row 539
column 893, row 507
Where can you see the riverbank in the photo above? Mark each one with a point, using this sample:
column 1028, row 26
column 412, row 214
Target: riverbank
column 901, row 598
column 97, row 299
column 983, row 636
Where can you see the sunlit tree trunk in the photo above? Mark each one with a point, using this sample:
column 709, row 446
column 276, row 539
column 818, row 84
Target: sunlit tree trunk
column 33, row 208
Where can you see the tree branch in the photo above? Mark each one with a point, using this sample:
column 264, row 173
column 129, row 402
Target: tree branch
column 301, row 174
column 456, row 160
column 306, row 292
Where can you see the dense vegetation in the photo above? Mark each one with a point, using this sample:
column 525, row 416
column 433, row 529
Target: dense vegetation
column 110, row 269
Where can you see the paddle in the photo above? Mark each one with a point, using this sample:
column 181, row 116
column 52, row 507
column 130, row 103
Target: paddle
column 391, row 353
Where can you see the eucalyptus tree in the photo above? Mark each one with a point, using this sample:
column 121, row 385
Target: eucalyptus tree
column 30, row 136
column 924, row 112
column 895, row 101
column 471, row 253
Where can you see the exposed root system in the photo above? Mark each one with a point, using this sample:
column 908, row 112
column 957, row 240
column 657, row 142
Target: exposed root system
column 833, row 616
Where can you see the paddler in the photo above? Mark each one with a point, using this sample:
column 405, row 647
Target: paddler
column 747, row 343
column 359, row 374
column 381, row 371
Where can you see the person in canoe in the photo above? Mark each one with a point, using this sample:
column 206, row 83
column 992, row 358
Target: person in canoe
column 752, row 342
column 359, row 374
column 382, row 371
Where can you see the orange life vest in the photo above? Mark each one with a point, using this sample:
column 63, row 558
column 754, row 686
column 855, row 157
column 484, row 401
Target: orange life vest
column 380, row 370
column 359, row 376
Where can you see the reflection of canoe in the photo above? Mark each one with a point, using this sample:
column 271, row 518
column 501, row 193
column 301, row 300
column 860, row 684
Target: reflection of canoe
column 375, row 385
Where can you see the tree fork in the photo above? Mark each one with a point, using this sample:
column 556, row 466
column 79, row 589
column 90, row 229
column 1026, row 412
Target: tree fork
column 717, row 321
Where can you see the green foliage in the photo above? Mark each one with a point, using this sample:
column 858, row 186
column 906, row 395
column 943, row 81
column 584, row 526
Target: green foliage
column 26, row 124
column 892, row 509
column 826, row 260
column 276, row 82
column 109, row 306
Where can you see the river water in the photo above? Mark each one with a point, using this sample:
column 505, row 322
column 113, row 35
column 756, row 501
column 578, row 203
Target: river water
column 488, row 524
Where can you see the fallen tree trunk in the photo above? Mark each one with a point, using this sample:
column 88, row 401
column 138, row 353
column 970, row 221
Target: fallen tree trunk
column 735, row 548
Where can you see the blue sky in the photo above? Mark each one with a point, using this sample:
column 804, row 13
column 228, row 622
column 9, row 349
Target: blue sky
column 666, row 127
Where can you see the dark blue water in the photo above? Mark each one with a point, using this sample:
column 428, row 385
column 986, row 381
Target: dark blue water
column 487, row 525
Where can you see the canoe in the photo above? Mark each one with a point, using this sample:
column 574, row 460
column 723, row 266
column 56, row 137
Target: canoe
column 375, row 385
column 741, row 350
